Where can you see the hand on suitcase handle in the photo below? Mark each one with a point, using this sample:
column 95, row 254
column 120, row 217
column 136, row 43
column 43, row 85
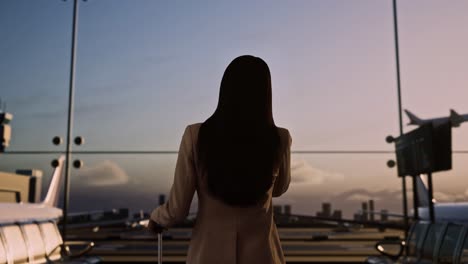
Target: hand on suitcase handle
column 155, row 228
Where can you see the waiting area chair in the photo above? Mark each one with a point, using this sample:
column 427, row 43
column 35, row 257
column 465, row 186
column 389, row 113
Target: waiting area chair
column 426, row 243
column 39, row 242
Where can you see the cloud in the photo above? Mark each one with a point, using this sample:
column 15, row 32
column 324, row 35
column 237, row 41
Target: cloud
column 349, row 202
column 362, row 197
column 284, row 200
column 105, row 173
column 302, row 172
column 450, row 197
column 443, row 197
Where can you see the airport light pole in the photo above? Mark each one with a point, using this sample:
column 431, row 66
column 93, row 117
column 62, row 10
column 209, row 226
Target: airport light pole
column 70, row 119
column 397, row 57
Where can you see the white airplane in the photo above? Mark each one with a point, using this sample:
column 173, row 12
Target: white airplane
column 454, row 118
column 452, row 212
column 29, row 212
column 456, row 212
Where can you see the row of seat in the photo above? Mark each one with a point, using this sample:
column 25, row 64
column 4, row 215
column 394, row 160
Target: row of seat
column 428, row 243
column 37, row 242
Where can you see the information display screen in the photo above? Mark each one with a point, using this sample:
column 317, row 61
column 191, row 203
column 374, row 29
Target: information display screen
column 424, row 150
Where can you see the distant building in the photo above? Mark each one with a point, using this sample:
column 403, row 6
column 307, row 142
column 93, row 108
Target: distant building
column 162, row 199
column 110, row 217
column 384, row 215
column 287, row 209
column 337, row 214
column 141, row 215
column 326, row 209
column 364, row 212
column 357, row 217
column 277, row 209
column 22, row 186
column 371, row 210
column 327, row 212
column 123, row 212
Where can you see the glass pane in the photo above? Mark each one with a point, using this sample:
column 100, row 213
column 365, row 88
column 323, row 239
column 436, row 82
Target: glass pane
column 150, row 68
column 433, row 55
column 343, row 180
column 34, row 70
column 12, row 162
column 135, row 182
column 450, row 186
column 107, row 182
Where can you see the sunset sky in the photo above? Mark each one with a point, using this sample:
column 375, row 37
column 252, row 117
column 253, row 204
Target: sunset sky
column 146, row 69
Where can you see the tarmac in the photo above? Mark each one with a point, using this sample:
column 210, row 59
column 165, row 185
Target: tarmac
column 300, row 245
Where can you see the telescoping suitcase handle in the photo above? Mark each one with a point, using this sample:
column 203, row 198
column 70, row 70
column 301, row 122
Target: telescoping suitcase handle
column 160, row 248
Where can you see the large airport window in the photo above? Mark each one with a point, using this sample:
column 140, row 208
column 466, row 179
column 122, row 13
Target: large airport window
column 147, row 69
column 433, row 54
column 34, row 68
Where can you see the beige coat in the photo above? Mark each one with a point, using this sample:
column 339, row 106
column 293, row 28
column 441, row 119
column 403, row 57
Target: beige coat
column 223, row 234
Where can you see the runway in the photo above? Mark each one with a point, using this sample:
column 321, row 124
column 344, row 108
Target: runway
column 300, row 245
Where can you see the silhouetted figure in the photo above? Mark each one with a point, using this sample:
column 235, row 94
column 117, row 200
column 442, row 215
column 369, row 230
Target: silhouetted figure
column 236, row 161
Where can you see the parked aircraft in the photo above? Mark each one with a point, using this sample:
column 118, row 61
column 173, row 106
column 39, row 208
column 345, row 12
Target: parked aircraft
column 456, row 212
column 452, row 212
column 46, row 210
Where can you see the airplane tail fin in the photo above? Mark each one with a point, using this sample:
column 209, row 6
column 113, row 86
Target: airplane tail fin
column 455, row 118
column 414, row 120
column 422, row 192
column 53, row 193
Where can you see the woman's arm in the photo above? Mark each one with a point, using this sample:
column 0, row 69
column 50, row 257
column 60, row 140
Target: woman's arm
column 283, row 179
column 180, row 197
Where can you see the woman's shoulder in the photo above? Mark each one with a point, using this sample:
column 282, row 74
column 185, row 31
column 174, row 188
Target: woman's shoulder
column 284, row 134
column 192, row 130
column 194, row 127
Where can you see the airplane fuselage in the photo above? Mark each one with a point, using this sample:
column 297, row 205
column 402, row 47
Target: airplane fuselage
column 453, row 212
column 454, row 118
column 24, row 212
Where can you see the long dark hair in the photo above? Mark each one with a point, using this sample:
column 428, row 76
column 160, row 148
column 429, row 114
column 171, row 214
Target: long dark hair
column 239, row 144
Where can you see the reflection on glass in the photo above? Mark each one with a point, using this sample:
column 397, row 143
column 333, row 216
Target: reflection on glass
column 34, row 71
column 11, row 163
column 139, row 81
column 107, row 182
